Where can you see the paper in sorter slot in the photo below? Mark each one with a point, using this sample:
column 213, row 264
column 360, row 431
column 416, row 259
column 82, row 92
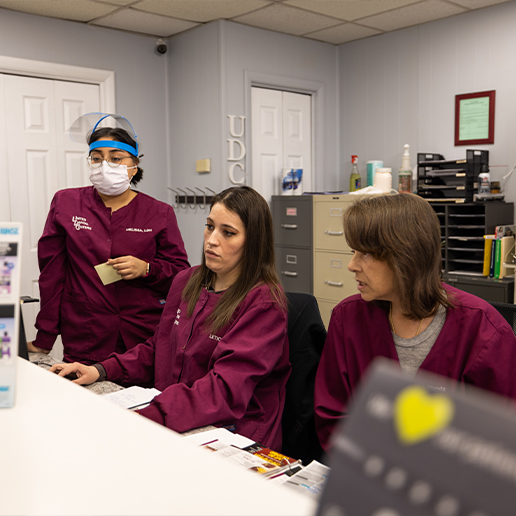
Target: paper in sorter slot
column 107, row 273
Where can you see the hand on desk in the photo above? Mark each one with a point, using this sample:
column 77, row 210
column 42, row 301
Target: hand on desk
column 34, row 349
column 128, row 267
column 84, row 374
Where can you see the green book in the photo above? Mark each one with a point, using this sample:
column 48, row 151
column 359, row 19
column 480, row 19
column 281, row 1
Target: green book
column 498, row 258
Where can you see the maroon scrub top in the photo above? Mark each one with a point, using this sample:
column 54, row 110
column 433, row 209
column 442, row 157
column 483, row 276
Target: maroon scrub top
column 81, row 232
column 476, row 346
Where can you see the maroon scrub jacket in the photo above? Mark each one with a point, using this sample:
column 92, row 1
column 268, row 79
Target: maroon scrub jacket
column 476, row 346
column 233, row 378
column 80, row 232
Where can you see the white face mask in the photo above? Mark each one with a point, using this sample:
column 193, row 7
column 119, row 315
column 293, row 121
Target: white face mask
column 110, row 181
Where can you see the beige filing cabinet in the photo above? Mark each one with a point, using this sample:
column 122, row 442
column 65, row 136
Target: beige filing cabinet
column 311, row 252
column 332, row 280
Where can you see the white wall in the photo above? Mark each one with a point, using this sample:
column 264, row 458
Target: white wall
column 194, row 97
column 211, row 70
column 400, row 88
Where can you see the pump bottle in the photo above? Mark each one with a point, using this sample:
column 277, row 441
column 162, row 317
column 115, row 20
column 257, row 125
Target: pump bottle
column 355, row 182
column 405, row 173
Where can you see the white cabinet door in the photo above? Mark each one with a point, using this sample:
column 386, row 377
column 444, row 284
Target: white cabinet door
column 41, row 158
column 281, row 138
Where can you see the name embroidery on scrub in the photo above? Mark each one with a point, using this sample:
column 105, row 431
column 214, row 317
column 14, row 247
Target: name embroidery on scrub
column 178, row 315
column 80, row 223
column 139, row 230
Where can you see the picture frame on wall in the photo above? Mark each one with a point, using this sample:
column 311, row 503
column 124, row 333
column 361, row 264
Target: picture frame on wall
column 474, row 118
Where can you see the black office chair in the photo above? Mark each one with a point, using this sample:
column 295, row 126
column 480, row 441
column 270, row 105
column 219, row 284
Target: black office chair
column 306, row 333
column 22, row 338
column 508, row 311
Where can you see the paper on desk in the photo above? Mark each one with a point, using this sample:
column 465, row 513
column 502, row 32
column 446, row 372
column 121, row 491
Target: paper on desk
column 222, row 435
column 132, row 397
column 309, row 480
column 107, row 273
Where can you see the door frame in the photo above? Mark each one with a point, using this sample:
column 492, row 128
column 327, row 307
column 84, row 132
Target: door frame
column 105, row 79
column 277, row 82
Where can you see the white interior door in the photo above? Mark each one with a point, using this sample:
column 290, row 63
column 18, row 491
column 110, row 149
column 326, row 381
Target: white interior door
column 281, row 138
column 41, row 159
column 297, row 140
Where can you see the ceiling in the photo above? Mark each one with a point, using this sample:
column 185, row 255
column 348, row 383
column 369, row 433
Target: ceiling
column 331, row 21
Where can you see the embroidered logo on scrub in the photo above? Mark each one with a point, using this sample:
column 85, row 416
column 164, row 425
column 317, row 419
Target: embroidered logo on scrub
column 418, row 415
column 178, row 315
column 80, row 223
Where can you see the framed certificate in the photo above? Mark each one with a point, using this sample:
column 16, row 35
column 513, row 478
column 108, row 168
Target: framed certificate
column 474, row 118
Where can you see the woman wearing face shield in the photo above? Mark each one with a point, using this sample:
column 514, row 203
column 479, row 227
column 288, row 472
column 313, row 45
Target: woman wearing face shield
column 108, row 223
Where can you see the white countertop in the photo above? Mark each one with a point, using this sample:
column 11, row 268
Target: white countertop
column 67, row 451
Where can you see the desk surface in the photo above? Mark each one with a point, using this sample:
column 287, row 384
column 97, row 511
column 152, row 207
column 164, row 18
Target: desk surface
column 68, row 451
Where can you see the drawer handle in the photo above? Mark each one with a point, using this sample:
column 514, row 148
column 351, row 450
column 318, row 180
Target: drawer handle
column 288, row 273
column 334, row 283
column 289, row 226
column 334, row 233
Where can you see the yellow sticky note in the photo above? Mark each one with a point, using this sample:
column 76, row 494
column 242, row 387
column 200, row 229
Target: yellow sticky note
column 107, row 273
column 418, row 415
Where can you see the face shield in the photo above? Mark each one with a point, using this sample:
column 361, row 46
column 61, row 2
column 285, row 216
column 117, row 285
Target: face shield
column 82, row 129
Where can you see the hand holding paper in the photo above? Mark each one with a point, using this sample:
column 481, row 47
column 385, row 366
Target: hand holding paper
column 107, row 273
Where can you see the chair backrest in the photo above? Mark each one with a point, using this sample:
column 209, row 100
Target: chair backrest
column 306, row 333
column 508, row 311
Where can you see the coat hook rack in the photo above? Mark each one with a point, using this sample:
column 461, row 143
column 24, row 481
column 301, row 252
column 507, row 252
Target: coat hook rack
column 193, row 199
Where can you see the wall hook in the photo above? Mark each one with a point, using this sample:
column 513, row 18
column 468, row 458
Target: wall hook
column 203, row 205
column 185, row 195
column 176, row 206
column 194, row 198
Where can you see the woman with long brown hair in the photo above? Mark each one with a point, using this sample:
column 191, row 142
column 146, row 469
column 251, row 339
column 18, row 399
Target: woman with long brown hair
column 220, row 353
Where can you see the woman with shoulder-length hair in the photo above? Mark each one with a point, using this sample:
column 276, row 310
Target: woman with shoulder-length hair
column 220, row 353
column 404, row 312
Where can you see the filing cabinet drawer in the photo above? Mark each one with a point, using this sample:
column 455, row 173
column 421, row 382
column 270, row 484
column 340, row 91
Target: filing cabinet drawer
column 332, row 280
column 294, row 267
column 326, row 308
column 292, row 218
column 328, row 230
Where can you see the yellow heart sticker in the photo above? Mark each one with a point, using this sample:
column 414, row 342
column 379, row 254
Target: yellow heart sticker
column 418, row 416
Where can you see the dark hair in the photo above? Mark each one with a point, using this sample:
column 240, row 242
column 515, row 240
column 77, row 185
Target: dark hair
column 403, row 231
column 120, row 135
column 258, row 264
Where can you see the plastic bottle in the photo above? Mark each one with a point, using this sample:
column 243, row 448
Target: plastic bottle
column 405, row 173
column 383, row 179
column 355, row 182
column 371, row 166
column 484, row 181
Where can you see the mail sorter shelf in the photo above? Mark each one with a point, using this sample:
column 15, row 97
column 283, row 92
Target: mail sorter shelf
column 463, row 227
column 490, row 289
column 445, row 181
